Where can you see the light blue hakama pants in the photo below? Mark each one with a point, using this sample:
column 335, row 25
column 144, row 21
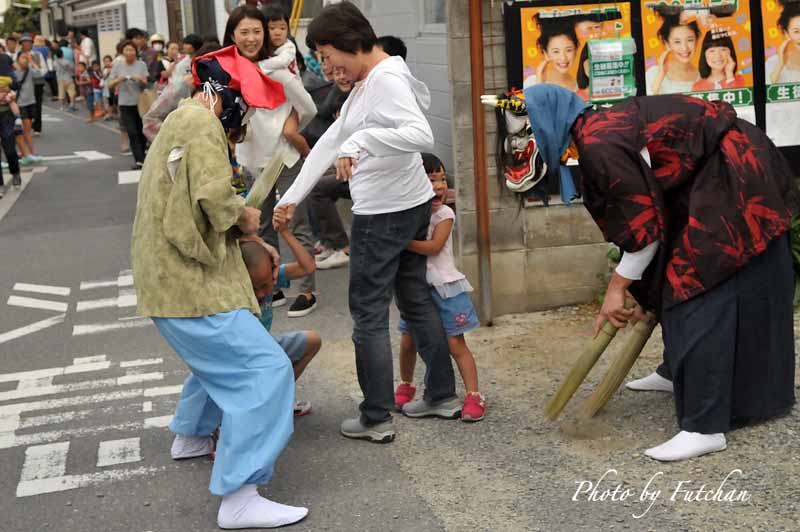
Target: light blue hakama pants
column 250, row 381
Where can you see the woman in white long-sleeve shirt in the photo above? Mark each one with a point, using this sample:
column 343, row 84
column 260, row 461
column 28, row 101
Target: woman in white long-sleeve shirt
column 376, row 144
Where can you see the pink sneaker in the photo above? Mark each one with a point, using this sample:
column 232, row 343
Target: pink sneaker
column 474, row 407
column 403, row 394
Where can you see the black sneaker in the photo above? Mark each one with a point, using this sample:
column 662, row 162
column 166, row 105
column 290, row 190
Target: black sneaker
column 16, row 180
column 278, row 299
column 302, row 306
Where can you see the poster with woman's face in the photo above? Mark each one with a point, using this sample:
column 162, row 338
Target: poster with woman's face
column 554, row 41
column 782, row 55
column 700, row 48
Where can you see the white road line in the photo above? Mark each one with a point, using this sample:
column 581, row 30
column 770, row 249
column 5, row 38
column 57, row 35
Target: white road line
column 79, row 386
column 115, row 452
column 88, row 360
column 161, row 390
column 91, row 285
column 92, row 155
column 52, row 372
column 157, row 422
column 147, row 406
column 42, row 289
column 97, row 303
column 144, row 377
column 32, row 302
column 8, row 411
column 40, row 382
column 45, row 461
column 129, row 177
column 71, row 482
column 127, row 298
column 32, row 328
column 95, row 328
column 140, row 362
column 125, row 279
column 49, row 158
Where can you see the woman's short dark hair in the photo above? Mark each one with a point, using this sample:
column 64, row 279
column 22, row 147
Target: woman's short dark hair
column 342, row 26
column 125, row 43
column 712, row 40
column 236, row 17
column 107, row 57
column 582, row 78
column 549, row 30
column 432, row 163
column 789, row 12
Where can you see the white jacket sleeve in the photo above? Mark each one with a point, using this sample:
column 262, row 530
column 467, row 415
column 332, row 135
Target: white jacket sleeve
column 283, row 57
column 321, row 158
column 633, row 265
column 395, row 104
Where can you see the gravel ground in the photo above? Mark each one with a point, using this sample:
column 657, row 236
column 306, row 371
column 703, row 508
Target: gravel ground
column 515, row 471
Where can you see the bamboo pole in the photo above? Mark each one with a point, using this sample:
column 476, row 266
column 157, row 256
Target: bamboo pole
column 619, row 368
column 265, row 181
column 582, row 367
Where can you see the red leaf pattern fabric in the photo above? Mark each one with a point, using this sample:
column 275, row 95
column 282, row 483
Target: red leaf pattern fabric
column 716, row 193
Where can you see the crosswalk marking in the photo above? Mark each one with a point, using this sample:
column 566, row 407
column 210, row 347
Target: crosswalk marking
column 32, row 302
column 140, row 362
column 48, row 429
column 32, row 328
column 42, row 289
column 115, row 452
column 45, row 461
column 94, row 328
column 129, row 177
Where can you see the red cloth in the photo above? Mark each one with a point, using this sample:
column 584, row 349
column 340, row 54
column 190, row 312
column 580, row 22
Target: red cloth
column 258, row 89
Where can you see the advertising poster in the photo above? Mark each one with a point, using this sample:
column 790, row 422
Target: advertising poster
column 554, row 41
column 782, row 55
column 702, row 48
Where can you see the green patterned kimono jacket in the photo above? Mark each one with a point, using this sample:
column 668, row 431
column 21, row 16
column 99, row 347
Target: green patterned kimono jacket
column 186, row 263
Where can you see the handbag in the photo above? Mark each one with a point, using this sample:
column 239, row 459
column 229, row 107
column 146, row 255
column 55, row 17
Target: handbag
column 146, row 99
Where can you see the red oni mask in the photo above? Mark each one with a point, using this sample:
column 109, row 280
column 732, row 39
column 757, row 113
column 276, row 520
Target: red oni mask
column 523, row 166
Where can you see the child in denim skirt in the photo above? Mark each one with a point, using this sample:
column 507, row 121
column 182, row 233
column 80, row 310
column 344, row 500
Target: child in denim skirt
column 450, row 292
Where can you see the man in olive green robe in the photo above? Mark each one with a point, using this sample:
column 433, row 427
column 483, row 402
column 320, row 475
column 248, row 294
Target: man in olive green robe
column 191, row 280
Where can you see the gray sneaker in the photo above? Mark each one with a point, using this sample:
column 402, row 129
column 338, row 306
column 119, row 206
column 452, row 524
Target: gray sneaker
column 380, row 433
column 447, row 409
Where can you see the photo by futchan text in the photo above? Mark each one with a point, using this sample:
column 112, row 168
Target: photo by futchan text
column 610, row 488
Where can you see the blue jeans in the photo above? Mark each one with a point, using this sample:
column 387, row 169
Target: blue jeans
column 381, row 266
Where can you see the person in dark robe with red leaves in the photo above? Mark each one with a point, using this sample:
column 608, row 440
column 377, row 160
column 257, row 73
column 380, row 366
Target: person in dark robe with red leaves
column 701, row 203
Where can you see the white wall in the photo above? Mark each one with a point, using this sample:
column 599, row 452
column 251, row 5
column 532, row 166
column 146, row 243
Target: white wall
column 136, row 15
column 221, row 18
column 427, row 60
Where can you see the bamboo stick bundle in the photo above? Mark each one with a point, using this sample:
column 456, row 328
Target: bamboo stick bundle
column 582, row 367
column 265, row 181
column 619, row 368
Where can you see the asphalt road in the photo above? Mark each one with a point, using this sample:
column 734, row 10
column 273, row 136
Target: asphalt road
column 86, row 388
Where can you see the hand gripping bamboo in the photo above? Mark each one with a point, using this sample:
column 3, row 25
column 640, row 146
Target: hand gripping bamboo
column 265, row 181
column 619, row 368
column 582, row 367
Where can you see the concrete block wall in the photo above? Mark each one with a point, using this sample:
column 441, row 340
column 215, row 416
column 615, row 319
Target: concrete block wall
column 541, row 257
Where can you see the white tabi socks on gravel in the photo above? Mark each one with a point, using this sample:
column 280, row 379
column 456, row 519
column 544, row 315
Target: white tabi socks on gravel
column 652, row 383
column 687, row 445
column 190, row 446
column 245, row 508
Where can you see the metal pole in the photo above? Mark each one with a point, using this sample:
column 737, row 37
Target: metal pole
column 479, row 148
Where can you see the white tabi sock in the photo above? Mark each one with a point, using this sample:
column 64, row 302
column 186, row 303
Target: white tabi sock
column 245, row 508
column 190, row 446
column 687, row 445
column 652, row 383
